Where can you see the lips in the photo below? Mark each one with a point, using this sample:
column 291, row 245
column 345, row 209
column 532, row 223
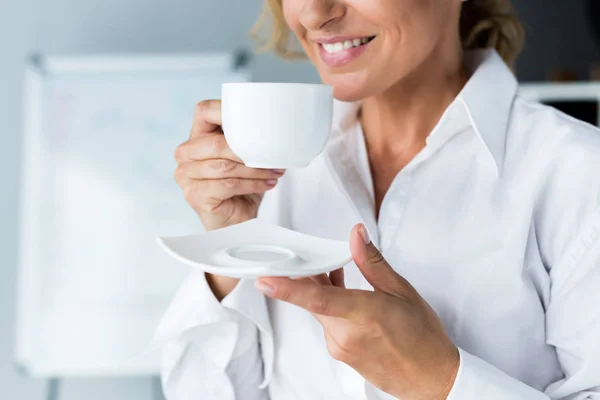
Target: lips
column 332, row 48
column 337, row 52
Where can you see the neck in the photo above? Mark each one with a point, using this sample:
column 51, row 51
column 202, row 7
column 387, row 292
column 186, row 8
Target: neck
column 400, row 119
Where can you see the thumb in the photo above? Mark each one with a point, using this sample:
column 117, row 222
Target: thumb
column 372, row 264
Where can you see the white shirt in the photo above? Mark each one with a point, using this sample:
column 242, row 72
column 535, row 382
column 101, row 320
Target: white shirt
column 496, row 223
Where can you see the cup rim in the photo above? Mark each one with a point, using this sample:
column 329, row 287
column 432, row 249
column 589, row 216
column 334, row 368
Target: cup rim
column 279, row 84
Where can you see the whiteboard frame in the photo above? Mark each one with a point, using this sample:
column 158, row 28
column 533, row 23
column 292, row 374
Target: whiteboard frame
column 26, row 296
column 175, row 62
column 37, row 69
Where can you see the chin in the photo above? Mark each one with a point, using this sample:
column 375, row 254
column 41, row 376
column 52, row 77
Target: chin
column 349, row 88
column 347, row 94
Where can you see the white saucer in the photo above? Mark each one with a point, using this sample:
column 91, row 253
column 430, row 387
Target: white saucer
column 256, row 248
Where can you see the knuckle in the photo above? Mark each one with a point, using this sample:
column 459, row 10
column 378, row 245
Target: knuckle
column 191, row 193
column 318, row 303
column 180, row 173
column 222, row 165
column 204, row 108
column 375, row 258
column 372, row 324
column 180, row 153
column 337, row 352
column 284, row 295
column 201, row 108
column 347, row 341
column 216, row 144
column 231, row 183
column 207, row 207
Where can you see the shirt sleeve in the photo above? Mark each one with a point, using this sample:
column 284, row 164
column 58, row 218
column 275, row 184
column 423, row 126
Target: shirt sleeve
column 210, row 349
column 573, row 327
column 567, row 221
column 220, row 351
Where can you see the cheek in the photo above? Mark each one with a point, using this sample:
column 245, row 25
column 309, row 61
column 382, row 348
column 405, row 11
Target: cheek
column 410, row 36
column 291, row 14
column 412, row 24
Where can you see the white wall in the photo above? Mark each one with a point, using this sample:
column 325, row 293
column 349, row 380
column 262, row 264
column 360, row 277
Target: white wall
column 87, row 26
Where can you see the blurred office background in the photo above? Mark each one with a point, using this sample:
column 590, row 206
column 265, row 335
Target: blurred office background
column 559, row 37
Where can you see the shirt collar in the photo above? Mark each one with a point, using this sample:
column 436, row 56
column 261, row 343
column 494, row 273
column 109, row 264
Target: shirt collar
column 487, row 99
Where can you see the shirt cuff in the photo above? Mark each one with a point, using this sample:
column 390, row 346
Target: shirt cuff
column 477, row 379
column 246, row 301
column 222, row 331
column 195, row 305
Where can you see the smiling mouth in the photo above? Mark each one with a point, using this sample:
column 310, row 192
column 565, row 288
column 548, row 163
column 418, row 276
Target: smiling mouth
column 333, row 48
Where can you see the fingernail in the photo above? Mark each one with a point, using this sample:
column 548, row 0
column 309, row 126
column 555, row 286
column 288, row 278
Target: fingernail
column 264, row 287
column 271, row 182
column 279, row 171
column 365, row 235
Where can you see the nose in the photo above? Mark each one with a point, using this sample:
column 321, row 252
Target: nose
column 317, row 14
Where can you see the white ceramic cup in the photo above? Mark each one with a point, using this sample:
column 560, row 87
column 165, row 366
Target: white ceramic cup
column 276, row 125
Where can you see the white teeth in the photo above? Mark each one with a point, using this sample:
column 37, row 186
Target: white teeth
column 345, row 45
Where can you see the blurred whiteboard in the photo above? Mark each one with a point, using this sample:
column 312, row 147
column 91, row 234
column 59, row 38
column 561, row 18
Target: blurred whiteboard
column 97, row 188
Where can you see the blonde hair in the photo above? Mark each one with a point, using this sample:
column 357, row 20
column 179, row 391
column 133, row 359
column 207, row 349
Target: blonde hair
column 483, row 24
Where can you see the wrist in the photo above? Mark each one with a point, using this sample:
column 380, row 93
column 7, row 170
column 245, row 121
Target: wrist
column 221, row 286
column 434, row 383
column 449, row 374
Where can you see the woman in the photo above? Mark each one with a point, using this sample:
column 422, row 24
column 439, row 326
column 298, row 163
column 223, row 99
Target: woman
column 485, row 209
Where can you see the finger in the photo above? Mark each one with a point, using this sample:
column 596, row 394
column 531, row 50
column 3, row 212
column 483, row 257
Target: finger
column 372, row 264
column 209, row 147
column 222, row 168
column 321, row 279
column 223, row 189
column 207, row 118
column 337, row 278
column 318, row 299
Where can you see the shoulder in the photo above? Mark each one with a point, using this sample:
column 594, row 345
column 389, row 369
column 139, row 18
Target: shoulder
column 548, row 128
column 560, row 156
column 555, row 147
